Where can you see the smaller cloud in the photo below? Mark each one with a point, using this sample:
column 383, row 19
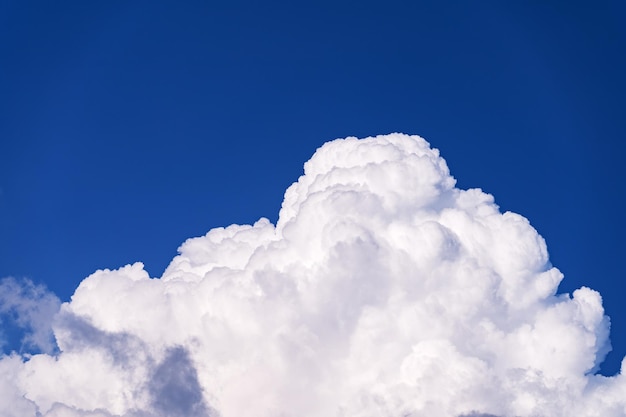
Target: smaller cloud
column 32, row 309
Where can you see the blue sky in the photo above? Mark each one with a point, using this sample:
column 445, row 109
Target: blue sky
column 128, row 127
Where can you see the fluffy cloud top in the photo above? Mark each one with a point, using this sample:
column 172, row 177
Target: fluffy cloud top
column 383, row 290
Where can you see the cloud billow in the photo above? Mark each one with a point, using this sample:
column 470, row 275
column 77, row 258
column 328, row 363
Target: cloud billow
column 382, row 290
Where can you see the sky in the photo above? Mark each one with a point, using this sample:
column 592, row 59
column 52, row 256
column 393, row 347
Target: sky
column 127, row 128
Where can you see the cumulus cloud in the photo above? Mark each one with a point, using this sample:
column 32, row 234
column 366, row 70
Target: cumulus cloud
column 383, row 290
column 31, row 307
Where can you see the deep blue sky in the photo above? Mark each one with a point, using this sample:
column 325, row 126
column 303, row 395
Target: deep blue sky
column 128, row 126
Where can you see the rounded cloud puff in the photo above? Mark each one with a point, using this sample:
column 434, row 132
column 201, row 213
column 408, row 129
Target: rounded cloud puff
column 383, row 290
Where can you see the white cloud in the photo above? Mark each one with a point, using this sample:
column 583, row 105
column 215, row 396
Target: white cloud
column 32, row 307
column 383, row 290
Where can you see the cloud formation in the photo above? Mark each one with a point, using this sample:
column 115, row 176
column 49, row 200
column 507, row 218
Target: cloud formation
column 382, row 290
column 32, row 308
